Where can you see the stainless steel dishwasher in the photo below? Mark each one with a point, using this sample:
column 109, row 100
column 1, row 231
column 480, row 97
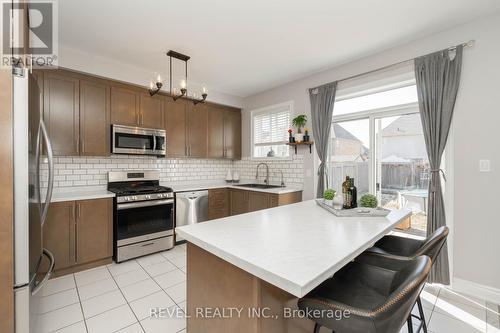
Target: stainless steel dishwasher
column 191, row 207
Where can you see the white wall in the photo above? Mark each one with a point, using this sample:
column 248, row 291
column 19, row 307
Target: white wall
column 477, row 116
column 110, row 68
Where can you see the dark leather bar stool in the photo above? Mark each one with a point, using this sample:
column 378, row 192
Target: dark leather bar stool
column 411, row 248
column 371, row 298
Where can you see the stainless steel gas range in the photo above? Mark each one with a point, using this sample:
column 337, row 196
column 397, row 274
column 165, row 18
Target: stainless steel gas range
column 144, row 217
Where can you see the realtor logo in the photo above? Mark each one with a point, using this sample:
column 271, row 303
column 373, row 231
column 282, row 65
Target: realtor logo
column 38, row 45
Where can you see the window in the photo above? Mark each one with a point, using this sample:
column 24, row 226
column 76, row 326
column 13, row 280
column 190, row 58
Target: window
column 377, row 139
column 269, row 131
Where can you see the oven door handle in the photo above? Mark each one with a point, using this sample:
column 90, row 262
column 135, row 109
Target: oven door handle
column 139, row 204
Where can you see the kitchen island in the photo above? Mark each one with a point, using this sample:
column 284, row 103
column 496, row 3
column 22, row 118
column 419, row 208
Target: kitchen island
column 259, row 263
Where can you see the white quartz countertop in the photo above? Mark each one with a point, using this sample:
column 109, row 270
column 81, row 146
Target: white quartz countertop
column 294, row 247
column 79, row 193
column 98, row 192
column 206, row 185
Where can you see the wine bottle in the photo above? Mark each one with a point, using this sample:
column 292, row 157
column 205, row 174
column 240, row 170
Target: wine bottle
column 354, row 194
column 345, row 193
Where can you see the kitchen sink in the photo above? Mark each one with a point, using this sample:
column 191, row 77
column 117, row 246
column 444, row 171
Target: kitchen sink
column 258, row 185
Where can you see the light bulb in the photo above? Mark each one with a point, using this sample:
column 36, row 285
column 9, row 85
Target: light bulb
column 158, row 78
column 204, row 90
column 183, row 84
column 151, row 85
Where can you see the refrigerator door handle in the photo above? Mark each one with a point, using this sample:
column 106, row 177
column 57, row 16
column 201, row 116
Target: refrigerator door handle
column 50, row 186
column 38, row 286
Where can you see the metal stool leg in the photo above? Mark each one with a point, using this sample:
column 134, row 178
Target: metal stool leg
column 316, row 328
column 422, row 316
column 410, row 324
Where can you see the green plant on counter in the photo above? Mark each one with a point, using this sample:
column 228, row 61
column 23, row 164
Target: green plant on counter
column 368, row 200
column 329, row 194
column 299, row 122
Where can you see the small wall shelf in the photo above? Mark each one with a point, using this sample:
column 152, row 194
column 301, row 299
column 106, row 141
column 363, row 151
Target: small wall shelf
column 295, row 144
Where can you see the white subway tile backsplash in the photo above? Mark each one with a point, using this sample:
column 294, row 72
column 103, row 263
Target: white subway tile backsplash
column 82, row 171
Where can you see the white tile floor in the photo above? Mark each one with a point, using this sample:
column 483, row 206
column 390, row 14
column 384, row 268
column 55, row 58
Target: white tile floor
column 118, row 298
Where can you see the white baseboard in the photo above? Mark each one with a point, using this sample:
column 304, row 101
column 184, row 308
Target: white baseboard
column 474, row 289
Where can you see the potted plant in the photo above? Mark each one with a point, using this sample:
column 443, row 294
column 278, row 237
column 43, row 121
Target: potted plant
column 299, row 122
column 368, row 200
column 328, row 196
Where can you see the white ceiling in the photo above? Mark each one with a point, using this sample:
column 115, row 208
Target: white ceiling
column 244, row 47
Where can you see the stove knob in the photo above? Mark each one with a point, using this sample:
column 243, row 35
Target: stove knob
column 148, row 196
column 134, row 197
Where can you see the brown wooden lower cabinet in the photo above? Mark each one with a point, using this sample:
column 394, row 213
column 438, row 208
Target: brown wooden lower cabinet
column 257, row 201
column 59, row 233
column 218, row 203
column 94, row 230
column 244, row 201
column 238, row 202
column 79, row 234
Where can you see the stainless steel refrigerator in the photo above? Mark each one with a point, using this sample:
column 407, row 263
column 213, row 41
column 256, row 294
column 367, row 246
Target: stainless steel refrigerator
column 32, row 161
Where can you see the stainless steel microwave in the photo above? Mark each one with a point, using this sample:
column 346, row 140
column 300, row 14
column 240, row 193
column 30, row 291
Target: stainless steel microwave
column 138, row 141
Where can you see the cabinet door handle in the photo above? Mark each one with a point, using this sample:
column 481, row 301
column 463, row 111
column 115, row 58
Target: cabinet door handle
column 142, row 118
column 75, row 214
column 78, row 211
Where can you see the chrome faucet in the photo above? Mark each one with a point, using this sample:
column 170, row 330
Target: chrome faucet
column 267, row 172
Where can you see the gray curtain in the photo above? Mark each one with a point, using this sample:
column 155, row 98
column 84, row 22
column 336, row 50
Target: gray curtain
column 322, row 100
column 438, row 78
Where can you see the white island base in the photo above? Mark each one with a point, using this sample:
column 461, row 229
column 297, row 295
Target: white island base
column 228, row 299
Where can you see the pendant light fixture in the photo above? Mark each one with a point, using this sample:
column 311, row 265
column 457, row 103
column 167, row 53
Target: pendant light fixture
column 155, row 87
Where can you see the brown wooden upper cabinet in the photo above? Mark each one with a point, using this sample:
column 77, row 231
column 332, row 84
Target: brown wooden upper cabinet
column 232, row 134
column 94, row 118
column 197, row 130
column 61, row 111
column 134, row 107
column 224, row 132
column 151, row 111
column 78, row 110
column 125, row 106
column 175, row 126
column 186, row 126
column 215, row 132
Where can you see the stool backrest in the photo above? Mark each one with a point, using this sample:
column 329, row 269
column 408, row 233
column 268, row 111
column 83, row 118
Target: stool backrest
column 406, row 287
column 434, row 243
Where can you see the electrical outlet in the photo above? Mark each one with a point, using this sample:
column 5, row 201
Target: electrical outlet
column 484, row 166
